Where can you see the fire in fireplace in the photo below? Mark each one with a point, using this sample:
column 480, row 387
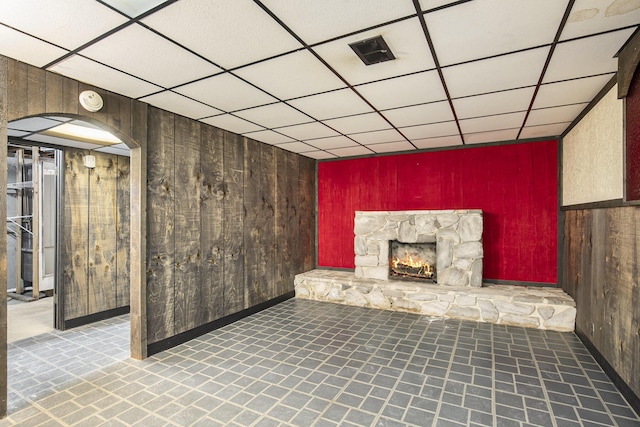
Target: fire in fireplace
column 412, row 260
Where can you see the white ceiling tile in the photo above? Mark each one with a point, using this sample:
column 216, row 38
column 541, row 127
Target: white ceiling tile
column 351, row 151
column 274, row 115
column 179, row 104
column 46, row 139
column 134, row 8
column 377, row 137
column 402, row 91
column 493, row 103
column 69, row 23
column 246, row 33
column 544, row 131
column 16, row 133
column 432, row 4
column 494, row 74
column 478, row 29
column 430, row 131
column 142, row 53
column 493, row 136
column 296, row 147
column 420, row 114
column 405, row 39
column 231, row 123
column 268, row 137
column 226, row 92
column 586, row 57
column 361, row 123
column 27, row 49
column 570, row 92
column 332, row 142
column 319, row 155
column 443, row 141
column 33, row 124
column 291, row 76
column 86, row 70
column 565, row 113
column 500, row 121
column 119, row 151
column 389, row 147
column 307, row 131
column 315, row 21
column 343, row 102
column 594, row 16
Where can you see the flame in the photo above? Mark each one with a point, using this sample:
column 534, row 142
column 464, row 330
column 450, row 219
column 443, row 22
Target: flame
column 410, row 262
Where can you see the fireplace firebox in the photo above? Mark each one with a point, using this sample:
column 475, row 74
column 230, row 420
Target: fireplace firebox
column 415, row 261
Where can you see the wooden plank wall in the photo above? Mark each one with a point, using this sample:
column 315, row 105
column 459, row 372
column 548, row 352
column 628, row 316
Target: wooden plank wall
column 601, row 249
column 230, row 223
column 94, row 254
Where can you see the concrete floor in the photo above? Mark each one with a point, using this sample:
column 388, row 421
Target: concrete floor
column 29, row 319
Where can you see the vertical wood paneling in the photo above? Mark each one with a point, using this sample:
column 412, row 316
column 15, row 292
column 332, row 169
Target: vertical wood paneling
column 123, row 240
column 75, row 229
column 102, row 234
column 287, row 225
column 3, row 236
column 254, row 285
column 266, row 205
column 53, row 92
column 187, row 224
column 306, row 208
column 70, row 93
column 17, row 92
column 211, row 229
column 36, row 91
column 161, row 225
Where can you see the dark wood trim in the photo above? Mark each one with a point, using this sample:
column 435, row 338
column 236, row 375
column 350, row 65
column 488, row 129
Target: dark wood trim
column 616, row 203
column 628, row 60
column 621, row 385
column 520, row 283
column 103, row 315
column 592, row 104
column 183, row 337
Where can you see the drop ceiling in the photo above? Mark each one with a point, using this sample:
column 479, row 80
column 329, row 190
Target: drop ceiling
column 282, row 71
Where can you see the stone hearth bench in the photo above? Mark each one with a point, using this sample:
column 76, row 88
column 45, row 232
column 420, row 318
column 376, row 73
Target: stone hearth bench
column 532, row 307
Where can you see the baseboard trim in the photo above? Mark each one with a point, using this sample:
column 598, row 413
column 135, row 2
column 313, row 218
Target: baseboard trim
column 103, row 315
column 519, row 283
column 632, row 398
column 167, row 343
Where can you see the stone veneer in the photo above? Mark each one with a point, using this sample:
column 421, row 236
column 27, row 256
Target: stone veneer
column 457, row 234
column 534, row 307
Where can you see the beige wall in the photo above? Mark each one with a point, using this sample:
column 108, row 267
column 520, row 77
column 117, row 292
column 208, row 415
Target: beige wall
column 592, row 155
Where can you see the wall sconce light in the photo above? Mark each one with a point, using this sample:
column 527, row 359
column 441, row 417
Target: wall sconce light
column 89, row 161
column 91, row 101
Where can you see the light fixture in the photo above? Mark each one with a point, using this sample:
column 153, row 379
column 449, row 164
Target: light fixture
column 373, row 50
column 91, row 101
column 89, row 161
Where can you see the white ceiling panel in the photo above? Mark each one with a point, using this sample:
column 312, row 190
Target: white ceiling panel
column 179, row 104
column 307, row 131
column 226, row 92
column 274, row 115
column 134, row 8
column 26, row 48
column 565, row 113
column 343, row 102
column 291, row 76
column 296, row 147
column 268, row 137
column 351, row 151
column 542, row 131
column 63, row 142
column 500, row 73
column 500, row 121
column 319, row 155
column 430, row 131
column 89, row 71
column 570, row 92
column 586, row 57
column 474, row 30
column 119, row 150
column 332, row 142
column 16, row 133
column 231, row 123
column 405, row 40
column 390, row 147
column 432, row 4
column 594, row 16
column 378, row 137
column 493, row 136
column 443, row 141
column 361, row 123
column 142, row 53
column 69, row 23
column 197, row 23
column 32, row 124
column 315, row 21
column 493, row 103
column 402, row 91
column 420, row 114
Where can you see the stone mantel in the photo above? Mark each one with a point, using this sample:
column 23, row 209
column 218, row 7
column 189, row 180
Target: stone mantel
column 457, row 234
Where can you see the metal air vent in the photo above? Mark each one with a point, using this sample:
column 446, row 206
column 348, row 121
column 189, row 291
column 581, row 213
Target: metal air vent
column 373, row 50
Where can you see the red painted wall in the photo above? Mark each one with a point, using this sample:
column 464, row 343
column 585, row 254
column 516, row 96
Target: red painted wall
column 633, row 139
column 515, row 185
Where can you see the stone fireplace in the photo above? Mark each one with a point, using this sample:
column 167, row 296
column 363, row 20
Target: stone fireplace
column 457, row 235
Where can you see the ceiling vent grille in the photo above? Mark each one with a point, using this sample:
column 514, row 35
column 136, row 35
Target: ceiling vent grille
column 373, row 50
